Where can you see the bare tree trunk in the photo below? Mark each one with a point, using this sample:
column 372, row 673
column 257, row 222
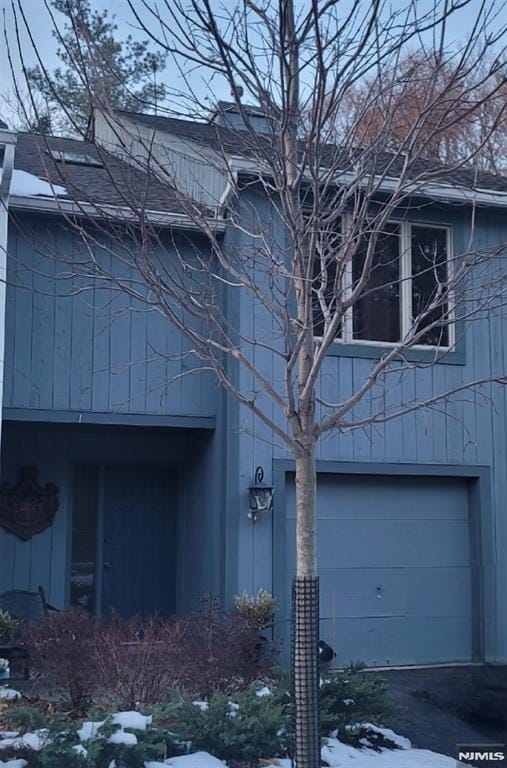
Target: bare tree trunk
column 305, row 638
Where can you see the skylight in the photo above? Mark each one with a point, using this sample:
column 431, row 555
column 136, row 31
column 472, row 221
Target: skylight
column 74, row 158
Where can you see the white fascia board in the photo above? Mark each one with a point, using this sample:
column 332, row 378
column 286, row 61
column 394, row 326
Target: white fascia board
column 110, row 213
column 434, row 190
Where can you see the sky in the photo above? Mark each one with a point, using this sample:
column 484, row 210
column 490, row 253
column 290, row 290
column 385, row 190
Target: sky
column 40, row 26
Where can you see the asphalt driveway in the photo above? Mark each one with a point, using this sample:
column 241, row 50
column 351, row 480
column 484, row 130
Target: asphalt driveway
column 442, row 707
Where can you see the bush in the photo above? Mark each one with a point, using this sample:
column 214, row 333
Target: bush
column 62, row 653
column 353, row 696
column 218, row 651
column 23, row 718
column 9, row 627
column 247, row 729
column 131, row 662
column 258, row 611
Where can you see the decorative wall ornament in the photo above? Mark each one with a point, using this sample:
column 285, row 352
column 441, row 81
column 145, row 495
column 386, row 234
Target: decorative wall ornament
column 27, row 508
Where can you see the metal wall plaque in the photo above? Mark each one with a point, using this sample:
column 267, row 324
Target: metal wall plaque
column 27, row 508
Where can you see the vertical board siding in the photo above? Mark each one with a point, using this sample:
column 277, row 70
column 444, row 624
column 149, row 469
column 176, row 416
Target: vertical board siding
column 466, row 428
column 44, row 559
column 73, row 344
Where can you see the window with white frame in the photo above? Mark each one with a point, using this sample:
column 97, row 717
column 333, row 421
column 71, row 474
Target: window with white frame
column 407, row 287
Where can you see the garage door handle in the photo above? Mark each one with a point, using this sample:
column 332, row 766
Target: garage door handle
column 379, row 592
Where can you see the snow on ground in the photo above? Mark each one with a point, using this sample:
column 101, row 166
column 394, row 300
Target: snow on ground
column 26, row 184
column 123, row 737
column 338, row 755
column 13, row 763
column 9, row 694
column 89, row 730
column 31, row 740
column 134, row 720
column 195, row 760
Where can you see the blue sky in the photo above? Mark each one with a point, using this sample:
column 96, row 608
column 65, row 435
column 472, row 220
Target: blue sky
column 40, row 25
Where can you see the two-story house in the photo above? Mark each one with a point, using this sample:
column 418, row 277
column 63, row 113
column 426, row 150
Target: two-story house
column 153, row 461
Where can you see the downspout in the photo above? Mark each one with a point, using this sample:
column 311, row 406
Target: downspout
column 8, row 142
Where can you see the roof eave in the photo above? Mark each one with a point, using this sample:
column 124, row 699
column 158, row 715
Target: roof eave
column 438, row 192
column 173, row 220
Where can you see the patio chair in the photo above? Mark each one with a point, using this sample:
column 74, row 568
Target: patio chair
column 28, row 606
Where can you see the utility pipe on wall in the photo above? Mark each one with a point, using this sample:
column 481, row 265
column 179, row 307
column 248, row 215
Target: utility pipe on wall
column 8, row 142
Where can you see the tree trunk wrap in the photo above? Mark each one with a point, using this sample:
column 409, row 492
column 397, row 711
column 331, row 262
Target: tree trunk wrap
column 306, row 672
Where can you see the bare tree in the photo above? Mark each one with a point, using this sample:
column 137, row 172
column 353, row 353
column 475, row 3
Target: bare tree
column 309, row 234
column 403, row 91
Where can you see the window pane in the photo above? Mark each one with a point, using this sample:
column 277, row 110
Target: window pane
column 324, row 286
column 377, row 312
column 429, row 272
column 84, row 537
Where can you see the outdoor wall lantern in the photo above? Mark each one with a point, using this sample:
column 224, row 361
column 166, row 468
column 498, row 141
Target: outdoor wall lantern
column 261, row 495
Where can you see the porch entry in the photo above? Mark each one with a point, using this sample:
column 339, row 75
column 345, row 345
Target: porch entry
column 124, row 544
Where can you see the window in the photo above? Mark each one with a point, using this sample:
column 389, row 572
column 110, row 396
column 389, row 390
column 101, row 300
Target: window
column 376, row 314
column 74, row 158
column 84, row 537
column 406, row 287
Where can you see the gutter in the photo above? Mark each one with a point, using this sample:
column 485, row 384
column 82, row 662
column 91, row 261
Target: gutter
column 443, row 192
column 8, row 140
column 41, row 204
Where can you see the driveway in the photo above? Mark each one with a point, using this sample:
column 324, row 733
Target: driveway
column 441, row 707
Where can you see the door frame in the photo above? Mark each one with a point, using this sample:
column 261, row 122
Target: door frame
column 483, row 587
column 99, row 544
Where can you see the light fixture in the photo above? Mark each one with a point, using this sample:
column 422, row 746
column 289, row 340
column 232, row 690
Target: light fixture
column 261, row 495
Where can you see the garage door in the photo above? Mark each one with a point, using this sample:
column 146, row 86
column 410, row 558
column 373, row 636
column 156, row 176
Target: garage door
column 394, row 567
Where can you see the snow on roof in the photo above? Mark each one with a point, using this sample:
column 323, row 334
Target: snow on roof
column 26, row 184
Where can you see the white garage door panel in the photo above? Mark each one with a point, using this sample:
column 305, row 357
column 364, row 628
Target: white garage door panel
column 394, row 566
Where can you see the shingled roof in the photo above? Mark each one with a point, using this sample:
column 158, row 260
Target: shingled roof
column 106, row 181
column 239, row 142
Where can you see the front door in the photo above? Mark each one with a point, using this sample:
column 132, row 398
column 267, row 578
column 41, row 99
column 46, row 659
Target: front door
column 139, row 540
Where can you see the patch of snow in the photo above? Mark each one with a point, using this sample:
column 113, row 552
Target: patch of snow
column 387, row 733
column 154, row 764
column 9, row 694
column 203, row 705
column 8, row 734
column 134, row 720
column 14, row 763
column 265, row 691
column 348, row 702
column 338, row 755
column 32, row 740
column 26, row 184
column 80, row 749
column 196, row 760
column 89, row 730
column 122, row 737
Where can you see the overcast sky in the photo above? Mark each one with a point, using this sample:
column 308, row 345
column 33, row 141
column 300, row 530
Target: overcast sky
column 40, row 26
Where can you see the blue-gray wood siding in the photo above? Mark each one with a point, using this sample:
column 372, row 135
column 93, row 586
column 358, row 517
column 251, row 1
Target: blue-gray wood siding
column 55, row 451
column 94, row 351
column 470, row 428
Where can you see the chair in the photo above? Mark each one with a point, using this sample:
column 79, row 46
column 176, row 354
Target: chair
column 28, row 606
column 22, row 604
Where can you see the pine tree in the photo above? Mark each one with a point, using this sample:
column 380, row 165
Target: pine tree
column 96, row 67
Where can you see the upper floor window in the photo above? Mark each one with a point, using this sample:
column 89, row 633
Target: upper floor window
column 407, row 285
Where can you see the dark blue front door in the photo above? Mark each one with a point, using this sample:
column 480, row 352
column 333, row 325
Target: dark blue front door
column 139, row 555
